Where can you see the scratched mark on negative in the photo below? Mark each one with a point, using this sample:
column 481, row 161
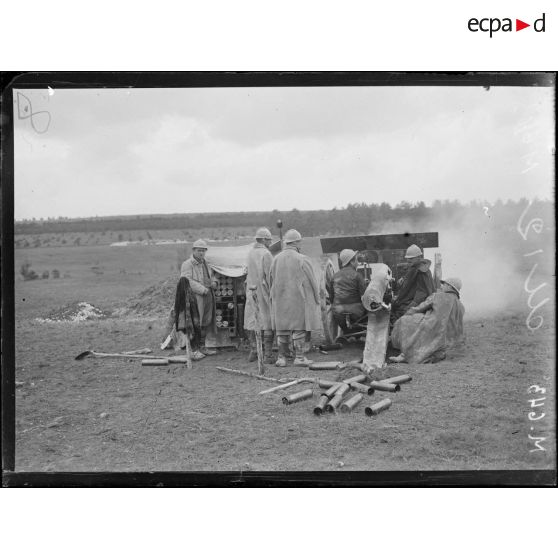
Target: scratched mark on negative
column 40, row 120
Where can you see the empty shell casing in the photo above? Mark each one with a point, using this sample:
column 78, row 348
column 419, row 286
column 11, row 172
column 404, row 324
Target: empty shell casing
column 351, row 403
column 382, row 405
column 359, row 378
column 299, row 396
column 327, row 383
column 324, row 365
column 343, row 389
column 362, row 388
column 334, row 402
column 331, row 391
column 398, row 379
column 322, row 402
column 383, row 386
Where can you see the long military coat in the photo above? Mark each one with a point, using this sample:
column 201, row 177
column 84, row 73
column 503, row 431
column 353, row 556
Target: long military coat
column 294, row 292
column 259, row 267
column 200, row 284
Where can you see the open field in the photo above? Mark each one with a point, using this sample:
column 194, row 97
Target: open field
column 468, row 412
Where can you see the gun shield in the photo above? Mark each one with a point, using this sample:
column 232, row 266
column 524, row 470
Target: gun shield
column 383, row 386
column 351, row 403
column 377, row 408
column 299, row 396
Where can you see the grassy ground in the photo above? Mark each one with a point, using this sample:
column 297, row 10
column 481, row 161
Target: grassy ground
column 468, row 412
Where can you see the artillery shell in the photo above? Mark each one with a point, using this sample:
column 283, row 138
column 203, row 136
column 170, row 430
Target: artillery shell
column 351, row 403
column 324, row 365
column 299, row 396
column 322, row 402
column 384, row 386
column 334, row 402
column 327, row 383
column 331, row 391
column 398, row 379
column 154, row 361
column 359, row 378
column 362, row 388
column 377, row 408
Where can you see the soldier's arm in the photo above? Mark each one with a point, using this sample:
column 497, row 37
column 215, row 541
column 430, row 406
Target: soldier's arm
column 266, row 276
column 422, row 307
column 187, row 271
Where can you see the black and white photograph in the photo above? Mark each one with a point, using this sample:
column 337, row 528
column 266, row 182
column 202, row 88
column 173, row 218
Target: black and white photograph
column 284, row 273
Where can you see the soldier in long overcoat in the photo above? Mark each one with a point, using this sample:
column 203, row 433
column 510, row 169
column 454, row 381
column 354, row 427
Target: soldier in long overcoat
column 202, row 282
column 294, row 299
column 258, row 276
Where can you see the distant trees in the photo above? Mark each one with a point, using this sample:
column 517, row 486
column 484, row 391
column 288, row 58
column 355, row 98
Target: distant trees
column 355, row 218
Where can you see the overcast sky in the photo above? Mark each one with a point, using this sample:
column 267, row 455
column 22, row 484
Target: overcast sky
column 134, row 151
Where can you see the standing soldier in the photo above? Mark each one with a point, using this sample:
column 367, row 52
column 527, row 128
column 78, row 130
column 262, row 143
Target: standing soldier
column 202, row 282
column 294, row 297
column 416, row 286
column 259, row 266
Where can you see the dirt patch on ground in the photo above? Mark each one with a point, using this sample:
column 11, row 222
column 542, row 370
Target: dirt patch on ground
column 155, row 301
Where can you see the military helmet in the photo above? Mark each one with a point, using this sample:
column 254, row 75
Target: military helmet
column 454, row 282
column 413, row 251
column 346, row 256
column 200, row 243
column 292, row 235
column 263, row 232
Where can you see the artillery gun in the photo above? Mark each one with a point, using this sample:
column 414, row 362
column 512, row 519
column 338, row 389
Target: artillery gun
column 378, row 256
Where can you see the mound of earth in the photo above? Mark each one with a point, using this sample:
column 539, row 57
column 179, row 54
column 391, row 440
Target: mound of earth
column 156, row 300
column 75, row 312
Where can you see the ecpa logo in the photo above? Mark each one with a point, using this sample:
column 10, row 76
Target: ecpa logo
column 494, row 24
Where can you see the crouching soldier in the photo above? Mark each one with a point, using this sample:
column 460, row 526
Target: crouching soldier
column 345, row 292
column 416, row 286
column 428, row 330
column 258, row 276
column 294, row 298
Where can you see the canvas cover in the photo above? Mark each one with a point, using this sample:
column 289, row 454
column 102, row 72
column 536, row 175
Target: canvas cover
column 229, row 260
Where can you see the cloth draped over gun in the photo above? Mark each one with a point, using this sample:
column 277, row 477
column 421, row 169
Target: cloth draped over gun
column 186, row 315
column 435, row 326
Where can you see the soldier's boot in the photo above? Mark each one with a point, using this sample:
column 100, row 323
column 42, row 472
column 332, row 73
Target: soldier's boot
column 282, row 345
column 208, row 351
column 268, row 348
column 253, row 354
column 300, row 357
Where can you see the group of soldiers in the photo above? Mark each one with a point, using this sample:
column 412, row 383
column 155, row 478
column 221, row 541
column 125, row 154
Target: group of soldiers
column 286, row 305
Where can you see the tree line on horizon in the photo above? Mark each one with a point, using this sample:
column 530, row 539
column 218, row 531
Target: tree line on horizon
column 355, row 218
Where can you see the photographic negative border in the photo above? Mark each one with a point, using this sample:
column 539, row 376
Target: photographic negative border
column 89, row 80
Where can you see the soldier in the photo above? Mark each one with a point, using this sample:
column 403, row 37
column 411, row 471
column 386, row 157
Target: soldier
column 294, row 297
column 416, row 285
column 428, row 330
column 202, row 282
column 259, row 267
column 345, row 291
